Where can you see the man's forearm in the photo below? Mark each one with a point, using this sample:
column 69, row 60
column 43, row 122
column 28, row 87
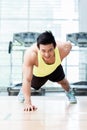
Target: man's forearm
column 27, row 91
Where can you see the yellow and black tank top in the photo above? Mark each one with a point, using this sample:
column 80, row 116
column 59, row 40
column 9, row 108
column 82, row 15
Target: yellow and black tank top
column 44, row 69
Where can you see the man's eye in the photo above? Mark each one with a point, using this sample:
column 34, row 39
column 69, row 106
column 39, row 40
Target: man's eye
column 51, row 50
column 43, row 50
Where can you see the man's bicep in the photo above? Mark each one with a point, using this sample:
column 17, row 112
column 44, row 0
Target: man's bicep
column 27, row 72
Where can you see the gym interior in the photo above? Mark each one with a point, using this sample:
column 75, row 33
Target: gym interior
column 21, row 22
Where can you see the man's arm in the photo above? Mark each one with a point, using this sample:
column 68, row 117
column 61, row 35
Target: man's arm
column 64, row 49
column 27, row 77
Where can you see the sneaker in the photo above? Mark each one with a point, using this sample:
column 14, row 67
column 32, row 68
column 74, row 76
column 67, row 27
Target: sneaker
column 71, row 97
column 20, row 96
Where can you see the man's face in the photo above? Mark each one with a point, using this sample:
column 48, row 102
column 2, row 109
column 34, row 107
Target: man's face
column 47, row 52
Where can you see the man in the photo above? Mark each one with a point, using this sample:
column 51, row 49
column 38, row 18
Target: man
column 42, row 62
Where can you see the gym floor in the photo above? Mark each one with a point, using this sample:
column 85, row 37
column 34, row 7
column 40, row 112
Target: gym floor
column 54, row 113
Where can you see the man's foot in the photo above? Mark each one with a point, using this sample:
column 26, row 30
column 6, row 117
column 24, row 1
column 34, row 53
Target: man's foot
column 71, row 96
column 20, row 96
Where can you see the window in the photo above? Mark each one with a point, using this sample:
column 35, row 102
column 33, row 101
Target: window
column 59, row 16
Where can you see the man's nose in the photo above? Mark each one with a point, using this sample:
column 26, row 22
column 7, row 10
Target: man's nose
column 47, row 54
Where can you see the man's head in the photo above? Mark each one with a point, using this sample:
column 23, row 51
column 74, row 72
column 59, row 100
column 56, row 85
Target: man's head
column 46, row 38
column 46, row 44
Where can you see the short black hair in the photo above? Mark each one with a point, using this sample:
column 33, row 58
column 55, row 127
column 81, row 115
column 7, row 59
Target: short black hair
column 46, row 38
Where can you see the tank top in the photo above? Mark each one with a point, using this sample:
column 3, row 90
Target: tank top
column 44, row 69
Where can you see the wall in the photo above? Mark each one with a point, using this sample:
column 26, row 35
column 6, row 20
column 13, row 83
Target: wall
column 83, row 15
column 83, row 28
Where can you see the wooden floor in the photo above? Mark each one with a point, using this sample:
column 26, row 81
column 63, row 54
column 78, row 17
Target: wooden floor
column 53, row 113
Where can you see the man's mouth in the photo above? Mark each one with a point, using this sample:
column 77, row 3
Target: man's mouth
column 47, row 58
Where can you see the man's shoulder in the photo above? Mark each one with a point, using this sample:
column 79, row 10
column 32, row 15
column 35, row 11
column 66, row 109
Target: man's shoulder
column 30, row 55
column 62, row 45
column 31, row 49
column 64, row 49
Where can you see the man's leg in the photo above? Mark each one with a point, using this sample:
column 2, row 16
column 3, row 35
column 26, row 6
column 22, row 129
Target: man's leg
column 21, row 96
column 69, row 92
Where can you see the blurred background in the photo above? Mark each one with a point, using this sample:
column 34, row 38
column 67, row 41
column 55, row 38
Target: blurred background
column 65, row 18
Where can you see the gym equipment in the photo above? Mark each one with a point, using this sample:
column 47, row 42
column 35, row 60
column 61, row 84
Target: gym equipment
column 80, row 40
column 20, row 42
column 23, row 39
column 80, row 88
column 13, row 91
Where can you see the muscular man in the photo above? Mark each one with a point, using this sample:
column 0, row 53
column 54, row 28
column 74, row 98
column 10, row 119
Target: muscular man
column 42, row 62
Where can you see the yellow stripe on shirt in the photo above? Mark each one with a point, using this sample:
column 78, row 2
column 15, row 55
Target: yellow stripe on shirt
column 44, row 69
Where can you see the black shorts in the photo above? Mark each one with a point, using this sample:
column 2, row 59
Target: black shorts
column 55, row 76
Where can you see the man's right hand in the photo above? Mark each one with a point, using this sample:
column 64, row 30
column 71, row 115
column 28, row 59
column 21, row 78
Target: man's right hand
column 29, row 107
